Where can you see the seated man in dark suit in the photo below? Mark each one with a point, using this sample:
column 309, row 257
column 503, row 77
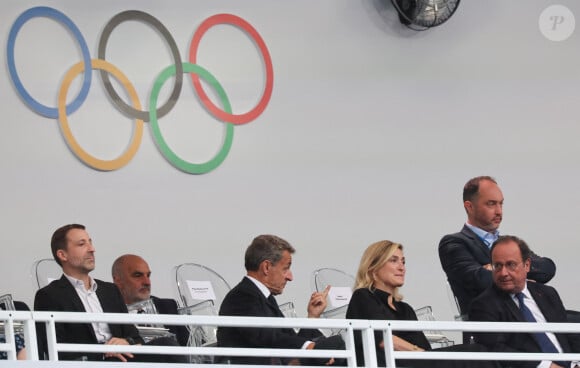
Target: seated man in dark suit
column 77, row 291
column 511, row 298
column 267, row 262
column 465, row 255
column 132, row 276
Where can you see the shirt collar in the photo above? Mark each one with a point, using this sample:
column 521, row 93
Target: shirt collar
column 260, row 286
column 524, row 291
column 487, row 237
column 79, row 284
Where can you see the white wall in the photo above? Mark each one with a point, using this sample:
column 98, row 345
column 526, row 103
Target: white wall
column 370, row 134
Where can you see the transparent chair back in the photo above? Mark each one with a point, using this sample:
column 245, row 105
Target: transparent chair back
column 288, row 310
column 340, row 292
column 201, row 291
column 6, row 302
column 341, row 284
column 457, row 315
column 197, row 283
column 45, row 271
column 201, row 335
column 147, row 307
column 436, row 338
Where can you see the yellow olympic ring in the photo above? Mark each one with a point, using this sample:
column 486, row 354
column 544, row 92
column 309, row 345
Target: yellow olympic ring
column 92, row 161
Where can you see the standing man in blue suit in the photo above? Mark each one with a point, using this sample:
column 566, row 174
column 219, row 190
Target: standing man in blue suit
column 465, row 256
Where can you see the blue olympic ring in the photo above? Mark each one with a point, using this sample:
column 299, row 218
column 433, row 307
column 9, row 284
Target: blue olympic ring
column 43, row 11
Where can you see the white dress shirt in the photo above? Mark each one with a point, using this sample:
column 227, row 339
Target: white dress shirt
column 92, row 305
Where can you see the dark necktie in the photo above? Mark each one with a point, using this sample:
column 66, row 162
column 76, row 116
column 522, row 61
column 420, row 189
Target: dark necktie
column 274, row 305
column 541, row 338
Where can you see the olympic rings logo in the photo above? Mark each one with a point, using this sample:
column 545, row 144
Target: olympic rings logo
column 63, row 110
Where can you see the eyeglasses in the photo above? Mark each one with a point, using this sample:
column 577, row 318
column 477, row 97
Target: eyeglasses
column 510, row 266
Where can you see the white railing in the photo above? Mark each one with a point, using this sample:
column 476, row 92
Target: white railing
column 15, row 319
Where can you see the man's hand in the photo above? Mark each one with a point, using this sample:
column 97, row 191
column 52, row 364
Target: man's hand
column 554, row 365
column 121, row 356
column 317, row 303
column 487, row 267
column 313, row 344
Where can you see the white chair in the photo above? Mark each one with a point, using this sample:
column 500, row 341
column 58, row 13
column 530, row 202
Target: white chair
column 45, row 271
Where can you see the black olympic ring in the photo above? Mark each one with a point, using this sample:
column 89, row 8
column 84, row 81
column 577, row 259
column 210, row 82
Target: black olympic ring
column 147, row 18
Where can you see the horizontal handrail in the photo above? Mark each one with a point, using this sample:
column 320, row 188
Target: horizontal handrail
column 28, row 319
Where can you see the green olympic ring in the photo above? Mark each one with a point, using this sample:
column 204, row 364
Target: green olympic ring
column 172, row 157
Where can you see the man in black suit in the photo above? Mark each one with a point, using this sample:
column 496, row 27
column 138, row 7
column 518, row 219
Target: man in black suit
column 77, row 291
column 465, row 255
column 511, row 298
column 267, row 262
column 132, row 276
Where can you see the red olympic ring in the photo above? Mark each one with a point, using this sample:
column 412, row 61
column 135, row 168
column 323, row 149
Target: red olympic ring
column 251, row 31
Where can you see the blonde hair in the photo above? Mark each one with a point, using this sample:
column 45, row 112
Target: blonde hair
column 374, row 257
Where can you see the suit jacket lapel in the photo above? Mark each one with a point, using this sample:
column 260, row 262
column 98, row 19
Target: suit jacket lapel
column 70, row 294
column 547, row 310
column 104, row 298
column 513, row 308
column 483, row 248
column 274, row 309
column 509, row 305
column 274, row 306
column 542, row 302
